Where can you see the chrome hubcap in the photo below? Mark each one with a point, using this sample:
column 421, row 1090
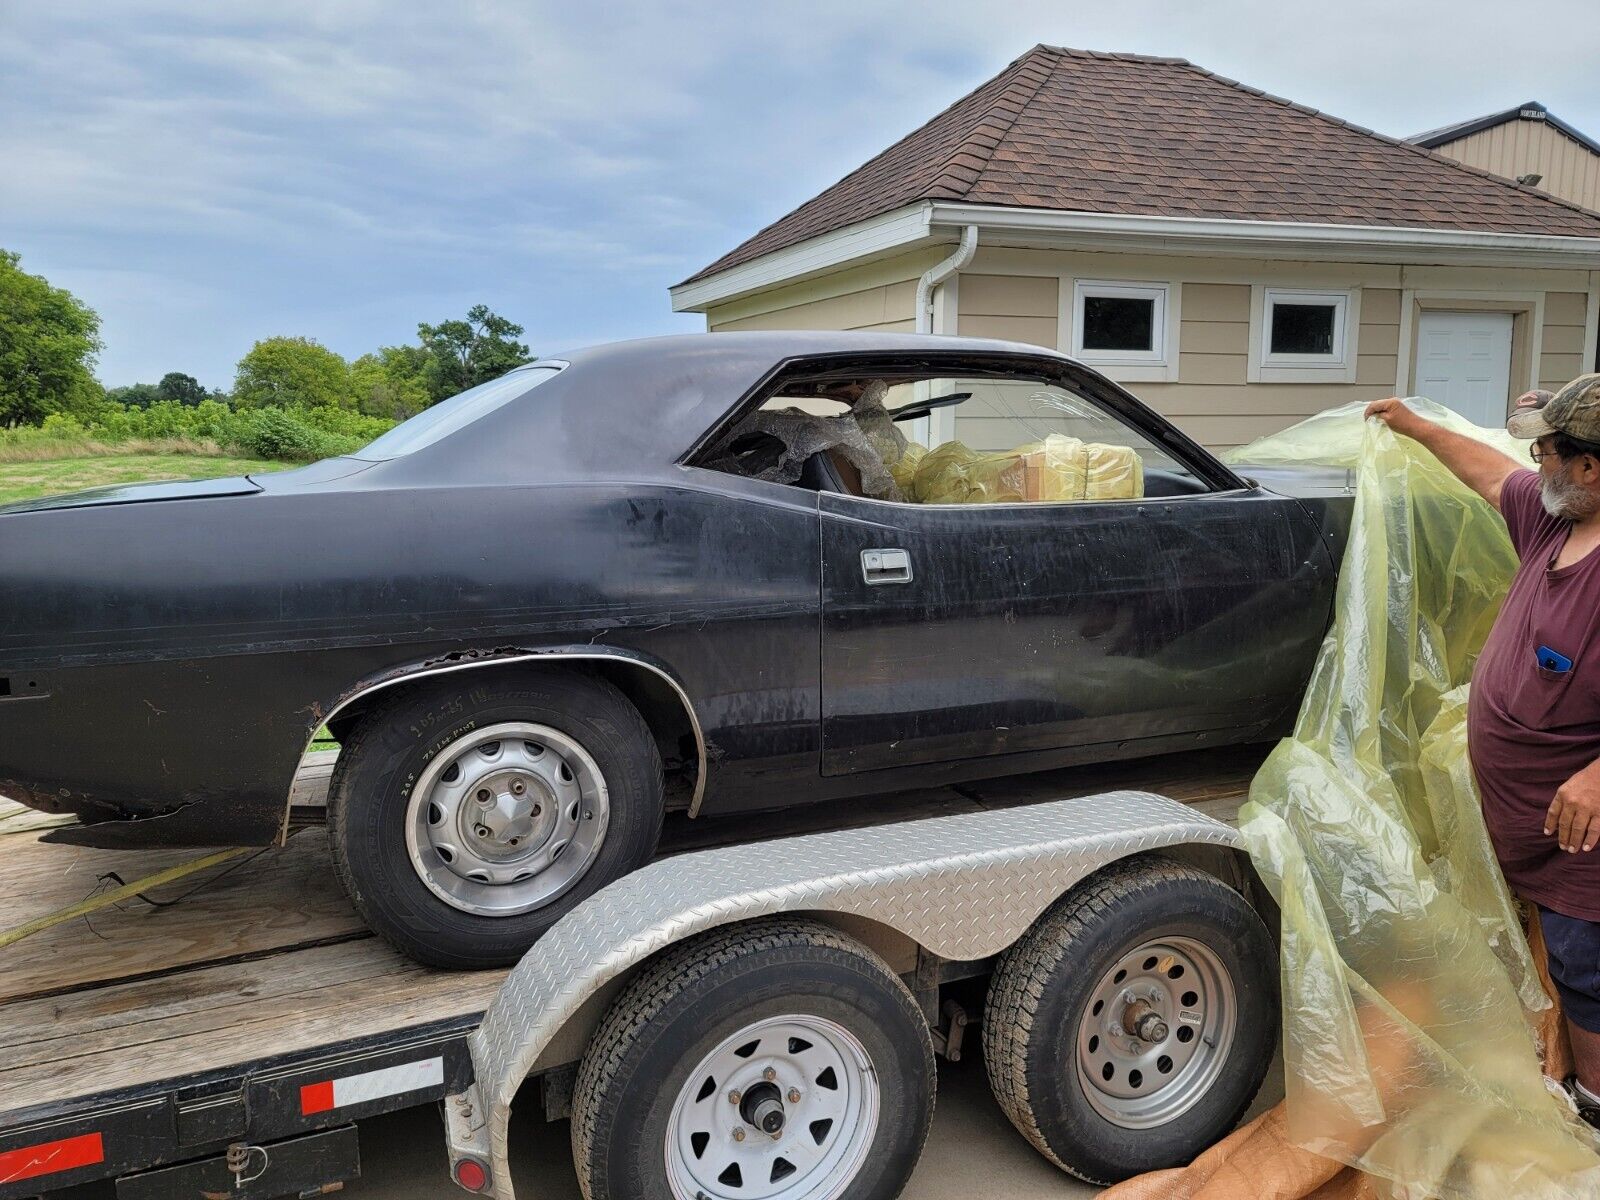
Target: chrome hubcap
column 785, row 1109
column 1157, row 1032
column 506, row 818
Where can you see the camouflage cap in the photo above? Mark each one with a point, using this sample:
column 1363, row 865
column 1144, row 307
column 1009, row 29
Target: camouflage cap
column 1574, row 410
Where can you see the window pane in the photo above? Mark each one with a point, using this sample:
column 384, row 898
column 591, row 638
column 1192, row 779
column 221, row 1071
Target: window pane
column 1302, row 328
column 457, row 412
column 1118, row 323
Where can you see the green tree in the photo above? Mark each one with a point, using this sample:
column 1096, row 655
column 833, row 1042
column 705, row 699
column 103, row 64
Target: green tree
column 48, row 343
column 185, row 389
column 391, row 383
column 292, row 372
column 463, row 354
column 134, row 395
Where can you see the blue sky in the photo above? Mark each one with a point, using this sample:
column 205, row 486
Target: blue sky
column 206, row 174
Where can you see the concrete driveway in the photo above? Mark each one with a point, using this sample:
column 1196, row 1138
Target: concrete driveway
column 972, row 1152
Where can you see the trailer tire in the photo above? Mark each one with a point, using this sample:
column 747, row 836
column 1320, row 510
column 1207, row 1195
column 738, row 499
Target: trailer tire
column 793, row 997
column 1098, row 1100
column 465, row 888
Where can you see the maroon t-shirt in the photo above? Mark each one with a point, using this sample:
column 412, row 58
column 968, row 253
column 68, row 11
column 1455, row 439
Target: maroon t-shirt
column 1530, row 728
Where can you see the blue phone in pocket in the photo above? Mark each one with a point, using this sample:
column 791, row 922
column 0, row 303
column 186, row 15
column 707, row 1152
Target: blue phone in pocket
column 1551, row 661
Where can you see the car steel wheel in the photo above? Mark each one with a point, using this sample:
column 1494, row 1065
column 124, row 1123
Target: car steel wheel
column 1156, row 1033
column 506, row 818
column 784, row 1109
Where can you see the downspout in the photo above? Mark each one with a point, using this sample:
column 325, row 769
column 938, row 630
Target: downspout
column 939, row 272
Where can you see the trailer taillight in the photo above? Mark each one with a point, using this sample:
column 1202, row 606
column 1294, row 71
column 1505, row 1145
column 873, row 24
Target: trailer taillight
column 471, row 1174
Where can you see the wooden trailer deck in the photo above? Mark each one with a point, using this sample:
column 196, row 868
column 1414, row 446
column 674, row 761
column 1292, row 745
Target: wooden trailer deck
column 263, row 956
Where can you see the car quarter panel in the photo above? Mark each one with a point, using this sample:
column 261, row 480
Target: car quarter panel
column 180, row 654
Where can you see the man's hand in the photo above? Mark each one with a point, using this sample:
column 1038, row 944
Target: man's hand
column 1393, row 413
column 1574, row 815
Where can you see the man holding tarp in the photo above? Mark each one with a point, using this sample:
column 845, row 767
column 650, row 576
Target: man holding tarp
column 1534, row 709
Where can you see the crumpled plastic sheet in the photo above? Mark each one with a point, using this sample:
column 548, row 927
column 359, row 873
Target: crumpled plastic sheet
column 1055, row 468
column 865, row 436
column 1408, row 989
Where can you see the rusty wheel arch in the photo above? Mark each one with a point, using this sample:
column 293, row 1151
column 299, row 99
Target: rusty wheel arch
column 648, row 685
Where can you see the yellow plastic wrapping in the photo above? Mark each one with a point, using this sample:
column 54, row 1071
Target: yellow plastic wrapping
column 1057, row 468
column 904, row 468
column 1408, row 989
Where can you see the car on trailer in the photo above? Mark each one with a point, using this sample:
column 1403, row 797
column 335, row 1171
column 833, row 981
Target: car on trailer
column 676, row 574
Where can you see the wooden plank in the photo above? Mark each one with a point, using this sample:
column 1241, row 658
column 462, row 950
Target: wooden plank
column 282, row 898
column 228, row 1015
column 310, row 788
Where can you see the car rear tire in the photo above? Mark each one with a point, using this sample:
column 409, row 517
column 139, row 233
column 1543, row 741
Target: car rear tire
column 1132, row 1025
column 779, row 1060
column 466, row 818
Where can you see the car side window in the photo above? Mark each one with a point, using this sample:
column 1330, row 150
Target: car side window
column 951, row 440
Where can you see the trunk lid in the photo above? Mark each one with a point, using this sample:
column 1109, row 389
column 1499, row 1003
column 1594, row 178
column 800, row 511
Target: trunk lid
column 139, row 493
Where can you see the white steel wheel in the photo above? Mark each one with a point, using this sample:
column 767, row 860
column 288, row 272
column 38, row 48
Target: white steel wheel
column 778, row 1059
column 783, row 1109
column 506, row 818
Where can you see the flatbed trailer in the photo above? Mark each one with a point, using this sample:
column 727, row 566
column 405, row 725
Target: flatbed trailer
column 223, row 1035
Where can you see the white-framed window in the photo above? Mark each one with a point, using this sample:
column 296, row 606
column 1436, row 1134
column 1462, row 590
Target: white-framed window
column 1122, row 324
column 1303, row 335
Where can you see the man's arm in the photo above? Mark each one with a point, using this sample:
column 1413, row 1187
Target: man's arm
column 1482, row 468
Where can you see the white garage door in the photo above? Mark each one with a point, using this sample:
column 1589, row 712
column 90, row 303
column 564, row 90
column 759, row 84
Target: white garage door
column 1464, row 362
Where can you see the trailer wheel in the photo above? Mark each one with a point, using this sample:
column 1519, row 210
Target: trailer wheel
column 1130, row 1028
column 466, row 819
column 779, row 1060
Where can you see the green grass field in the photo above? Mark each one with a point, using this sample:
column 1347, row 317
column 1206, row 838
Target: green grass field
column 51, row 476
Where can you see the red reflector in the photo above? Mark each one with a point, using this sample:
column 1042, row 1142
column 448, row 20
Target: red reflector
column 471, row 1175
column 316, row 1098
column 49, row 1157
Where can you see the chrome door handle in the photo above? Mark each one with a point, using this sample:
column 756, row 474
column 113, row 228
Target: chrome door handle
column 886, row 566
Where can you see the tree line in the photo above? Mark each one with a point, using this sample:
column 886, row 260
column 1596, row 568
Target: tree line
column 50, row 340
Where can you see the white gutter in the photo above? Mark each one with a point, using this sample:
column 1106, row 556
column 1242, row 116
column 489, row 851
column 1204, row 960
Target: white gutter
column 912, row 227
column 1214, row 235
column 939, row 272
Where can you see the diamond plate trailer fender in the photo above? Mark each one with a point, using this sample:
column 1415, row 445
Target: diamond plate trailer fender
column 962, row 887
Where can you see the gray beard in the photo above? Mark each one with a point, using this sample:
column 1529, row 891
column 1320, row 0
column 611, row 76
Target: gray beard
column 1566, row 500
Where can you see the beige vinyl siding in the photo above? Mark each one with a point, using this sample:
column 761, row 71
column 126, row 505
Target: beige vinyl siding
column 1571, row 170
column 880, row 296
column 1561, row 351
column 1211, row 401
column 1017, row 308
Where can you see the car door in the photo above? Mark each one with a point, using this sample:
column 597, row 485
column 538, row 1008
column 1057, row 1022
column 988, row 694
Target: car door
column 957, row 630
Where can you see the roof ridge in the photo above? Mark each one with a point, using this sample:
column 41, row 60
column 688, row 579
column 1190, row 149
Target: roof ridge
column 1477, row 172
column 1019, row 93
column 1120, row 55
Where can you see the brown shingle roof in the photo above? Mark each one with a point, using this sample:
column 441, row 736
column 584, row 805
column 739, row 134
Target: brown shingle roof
column 1082, row 131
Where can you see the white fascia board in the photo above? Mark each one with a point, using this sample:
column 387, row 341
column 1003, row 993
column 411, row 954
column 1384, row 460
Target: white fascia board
column 1276, row 239
column 897, row 230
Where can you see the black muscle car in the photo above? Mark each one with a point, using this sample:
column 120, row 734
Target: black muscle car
column 719, row 573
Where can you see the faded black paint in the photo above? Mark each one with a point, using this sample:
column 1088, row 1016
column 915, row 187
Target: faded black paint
column 183, row 641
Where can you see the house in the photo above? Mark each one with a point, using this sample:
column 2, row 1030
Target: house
column 1530, row 144
column 1238, row 260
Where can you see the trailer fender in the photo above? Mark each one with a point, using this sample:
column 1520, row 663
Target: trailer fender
column 962, row 887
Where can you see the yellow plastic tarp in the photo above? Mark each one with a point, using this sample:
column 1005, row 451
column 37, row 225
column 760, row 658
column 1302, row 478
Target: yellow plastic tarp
column 1057, row 468
column 1409, row 995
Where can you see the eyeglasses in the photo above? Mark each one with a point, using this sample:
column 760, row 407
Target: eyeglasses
column 1537, row 454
